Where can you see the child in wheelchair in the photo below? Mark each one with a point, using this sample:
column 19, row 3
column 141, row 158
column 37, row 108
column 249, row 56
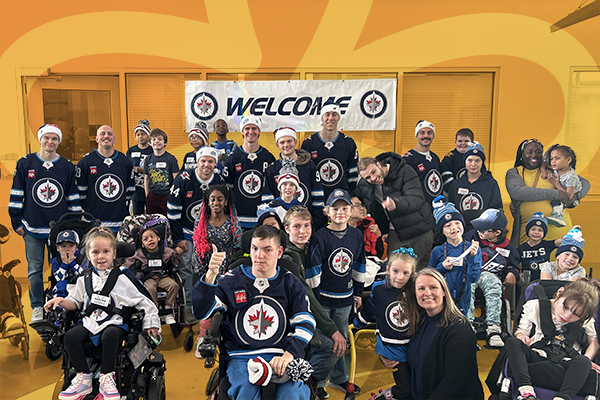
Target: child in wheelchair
column 103, row 293
column 68, row 264
column 154, row 261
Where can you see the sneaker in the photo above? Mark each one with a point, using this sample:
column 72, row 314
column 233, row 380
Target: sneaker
column 556, row 219
column 322, row 394
column 107, row 387
column 382, row 395
column 494, row 338
column 170, row 319
column 81, row 386
column 37, row 315
column 342, row 387
column 198, row 343
column 189, row 316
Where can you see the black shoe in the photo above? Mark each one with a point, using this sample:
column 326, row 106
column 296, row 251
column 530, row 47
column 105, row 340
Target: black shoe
column 343, row 386
column 322, row 394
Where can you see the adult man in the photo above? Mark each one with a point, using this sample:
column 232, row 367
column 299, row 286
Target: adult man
column 334, row 153
column 391, row 191
column 244, row 170
column 43, row 190
column 266, row 314
column 311, row 191
column 105, row 180
column 138, row 154
column 425, row 162
column 453, row 164
column 184, row 205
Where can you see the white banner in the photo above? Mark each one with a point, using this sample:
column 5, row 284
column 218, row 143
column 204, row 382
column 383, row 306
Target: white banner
column 364, row 104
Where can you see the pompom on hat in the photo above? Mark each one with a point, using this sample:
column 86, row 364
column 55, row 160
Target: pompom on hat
column 475, row 149
column 288, row 173
column 251, row 120
column 49, row 128
column 144, row 126
column 537, row 219
column 573, row 241
column 424, row 124
column 201, row 130
column 444, row 212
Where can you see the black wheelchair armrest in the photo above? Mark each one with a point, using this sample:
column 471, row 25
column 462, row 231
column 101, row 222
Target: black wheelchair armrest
column 211, row 340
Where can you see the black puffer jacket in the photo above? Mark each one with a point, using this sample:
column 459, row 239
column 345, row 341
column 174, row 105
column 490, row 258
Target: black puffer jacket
column 413, row 215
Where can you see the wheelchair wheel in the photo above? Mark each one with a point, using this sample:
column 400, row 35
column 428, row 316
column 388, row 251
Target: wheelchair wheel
column 15, row 340
column 53, row 352
column 188, row 342
column 157, row 389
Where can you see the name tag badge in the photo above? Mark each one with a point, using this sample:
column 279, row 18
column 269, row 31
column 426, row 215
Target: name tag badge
column 136, row 154
column 161, row 164
column 102, row 301
column 155, row 263
column 503, row 252
column 456, row 262
column 463, row 191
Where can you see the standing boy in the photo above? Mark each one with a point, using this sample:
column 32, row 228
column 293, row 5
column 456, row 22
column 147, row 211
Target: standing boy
column 536, row 251
column 138, row 154
column 453, row 164
column 160, row 168
column 198, row 137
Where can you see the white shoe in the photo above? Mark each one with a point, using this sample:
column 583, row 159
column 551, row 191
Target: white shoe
column 493, row 336
column 107, row 387
column 37, row 314
column 556, row 219
column 198, row 343
column 170, row 319
column 81, row 386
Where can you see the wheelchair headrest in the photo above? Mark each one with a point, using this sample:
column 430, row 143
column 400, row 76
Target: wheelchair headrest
column 159, row 228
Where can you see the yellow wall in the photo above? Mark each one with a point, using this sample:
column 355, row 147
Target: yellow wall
column 114, row 37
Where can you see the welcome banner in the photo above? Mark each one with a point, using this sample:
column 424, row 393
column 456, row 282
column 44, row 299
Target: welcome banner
column 364, row 104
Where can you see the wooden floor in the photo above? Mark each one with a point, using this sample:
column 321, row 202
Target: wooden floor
column 186, row 376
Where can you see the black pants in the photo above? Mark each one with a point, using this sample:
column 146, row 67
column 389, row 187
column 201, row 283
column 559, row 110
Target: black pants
column 401, row 390
column 528, row 368
column 77, row 341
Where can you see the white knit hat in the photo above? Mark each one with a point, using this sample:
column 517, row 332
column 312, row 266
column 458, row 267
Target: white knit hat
column 424, row 124
column 49, row 128
column 207, row 151
column 285, row 131
column 251, row 120
column 331, row 108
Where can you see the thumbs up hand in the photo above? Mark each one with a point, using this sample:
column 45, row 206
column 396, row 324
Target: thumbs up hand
column 216, row 260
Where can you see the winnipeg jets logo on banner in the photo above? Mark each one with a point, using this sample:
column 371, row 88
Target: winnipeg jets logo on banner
column 373, row 104
column 109, row 187
column 341, row 261
column 204, row 106
column 193, row 210
column 397, row 317
column 263, row 321
column 250, row 183
column 47, row 192
column 471, row 201
column 330, row 171
column 433, row 182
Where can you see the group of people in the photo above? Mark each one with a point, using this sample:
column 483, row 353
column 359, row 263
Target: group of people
column 439, row 226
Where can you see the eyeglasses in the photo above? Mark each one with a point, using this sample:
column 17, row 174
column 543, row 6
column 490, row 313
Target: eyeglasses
column 357, row 206
column 485, row 231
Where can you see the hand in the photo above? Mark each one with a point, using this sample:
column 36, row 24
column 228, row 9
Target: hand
column 510, row 280
column 53, row 303
column 448, row 264
column 387, row 362
column 183, row 245
column 216, row 260
column 473, row 248
column 280, row 363
column 20, row 231
column 389, row 204
column 153, row 332
column 524, row 338
column 358, row 300
column 66, row 256
column 552, row 179
column 595, row 367
column 339, row 344
column 178, row 250
column 374, row 228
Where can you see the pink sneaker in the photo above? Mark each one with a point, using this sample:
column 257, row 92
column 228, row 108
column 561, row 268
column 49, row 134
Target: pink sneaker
column 107, row 389
column 81, row 386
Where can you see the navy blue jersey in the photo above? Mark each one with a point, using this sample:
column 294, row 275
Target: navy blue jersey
column 336, row 161
column 42, row 191
column 189, row 161
column 160, row 170
column 185, row 202
column 427, row 167
column 137, row 155
column 245, row 174
column 335, row 267
column 532, row 257
column 452, row 167
column 105, row 184
column 504, row 248
column 262, row 316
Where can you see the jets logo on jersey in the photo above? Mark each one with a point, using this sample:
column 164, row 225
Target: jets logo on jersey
column 461, row 172
column 193, row 210
column 250, row 183
column 302, row 193
column 47, row 192
column 433, row 182
column 471, row 201
column 330, row 171
column 534, row 265
column 341, row 261
column 109, row 187
column 263, row 321
column 396, row 317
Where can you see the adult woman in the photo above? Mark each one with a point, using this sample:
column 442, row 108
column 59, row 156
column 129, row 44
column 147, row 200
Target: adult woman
column 442, row 352
column 530, row 193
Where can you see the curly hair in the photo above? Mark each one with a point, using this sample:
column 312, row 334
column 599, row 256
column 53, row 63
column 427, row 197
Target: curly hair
column 565, row 150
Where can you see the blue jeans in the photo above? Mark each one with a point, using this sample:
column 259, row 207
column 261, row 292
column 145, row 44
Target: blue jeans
column 34, row 252
column 324, row 361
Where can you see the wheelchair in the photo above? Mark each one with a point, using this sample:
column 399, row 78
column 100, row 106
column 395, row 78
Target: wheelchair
column 139, row 368
column 19, row 336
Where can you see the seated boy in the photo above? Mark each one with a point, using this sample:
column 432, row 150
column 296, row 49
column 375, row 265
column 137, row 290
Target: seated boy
column 536, row 251
column 491, row 234
column 66, row 266
column 266, row 314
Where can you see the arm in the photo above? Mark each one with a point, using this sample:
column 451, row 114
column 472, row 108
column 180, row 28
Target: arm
column 16, row 203
column 73, row 203
column 175, row 210
column 474, row 262
column 359, row 270
column 410, row 197
column 351, row 167
column 146, row 184
column 530, row 310
column 518, row 191
column 130, row 179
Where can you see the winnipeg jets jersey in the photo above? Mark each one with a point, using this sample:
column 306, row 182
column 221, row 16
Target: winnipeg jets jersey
column 427, row 167
column 336, row 161
column 245, row 173
column 42, row 191
column 105, row 184
column 189, row 161
column 185, row 202
column 262, row 316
